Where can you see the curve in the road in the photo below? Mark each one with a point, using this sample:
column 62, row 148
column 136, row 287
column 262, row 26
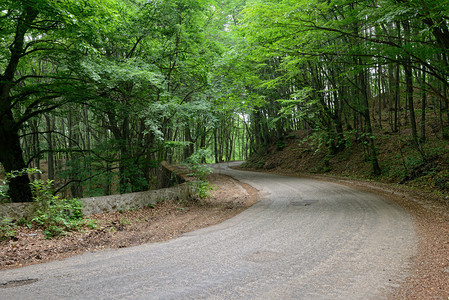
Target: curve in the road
column 305, row 239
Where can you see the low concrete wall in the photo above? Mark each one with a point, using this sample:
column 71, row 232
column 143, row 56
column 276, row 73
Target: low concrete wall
column 102, row 204
column 169, row 176
column 16, row 211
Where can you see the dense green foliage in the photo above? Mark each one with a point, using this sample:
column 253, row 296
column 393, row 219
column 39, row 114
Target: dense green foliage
column 98, row 93
column 199, row 172
column 334, row 66
column 102, row 91
column 7, row 229
column 53, row 214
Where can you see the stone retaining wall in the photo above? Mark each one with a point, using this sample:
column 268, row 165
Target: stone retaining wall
column 102, row 204
column 16, row 211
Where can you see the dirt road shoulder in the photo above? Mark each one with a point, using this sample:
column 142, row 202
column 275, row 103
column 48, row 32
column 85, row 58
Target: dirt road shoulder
column 165, row 221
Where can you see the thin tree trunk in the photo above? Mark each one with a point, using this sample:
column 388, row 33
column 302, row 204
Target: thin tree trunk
column 75, row 168
column 36, row 146
column 397, row 100
column 50, row 155
column 390, row 97
column 423, row 108
column 379, row 87
column 368, row 127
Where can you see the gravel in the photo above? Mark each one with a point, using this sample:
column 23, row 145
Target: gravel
column 429, row 274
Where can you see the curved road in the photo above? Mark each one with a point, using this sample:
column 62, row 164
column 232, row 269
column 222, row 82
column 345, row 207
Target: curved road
column 305, row 239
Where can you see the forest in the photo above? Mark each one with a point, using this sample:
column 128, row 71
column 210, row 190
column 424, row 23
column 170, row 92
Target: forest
column 97, row 93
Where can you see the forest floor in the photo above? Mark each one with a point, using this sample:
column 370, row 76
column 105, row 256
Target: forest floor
column 165, row 221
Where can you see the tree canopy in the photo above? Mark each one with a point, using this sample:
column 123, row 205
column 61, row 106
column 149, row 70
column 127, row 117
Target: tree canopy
column 101, row 91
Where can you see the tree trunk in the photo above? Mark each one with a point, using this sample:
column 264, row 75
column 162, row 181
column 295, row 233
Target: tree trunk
column 423, row 108
column 409, row 86
column 411, row 107
column 125, row 156
column 36, row 147
column 11, row 158
column 50, row 155
column 11, row 155
column 216, row 146
column 379, row 93
column 368, row 127
column 189, row 148
column 76, row 187
column 397, row 99
column 390, row 97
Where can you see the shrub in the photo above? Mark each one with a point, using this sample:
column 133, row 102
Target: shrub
column 53, row 214
column 7, row 229
column 200, row 171
column 280, row 145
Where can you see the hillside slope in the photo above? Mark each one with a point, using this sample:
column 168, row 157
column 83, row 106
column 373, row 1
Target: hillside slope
column 300, row 152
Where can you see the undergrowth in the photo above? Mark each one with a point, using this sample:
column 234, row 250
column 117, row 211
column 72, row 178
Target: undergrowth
column 401, row 162
column 7, row 229
column 199, row 171
column 55, row 216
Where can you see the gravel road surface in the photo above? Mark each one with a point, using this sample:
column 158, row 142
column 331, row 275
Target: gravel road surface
column 304, row 239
